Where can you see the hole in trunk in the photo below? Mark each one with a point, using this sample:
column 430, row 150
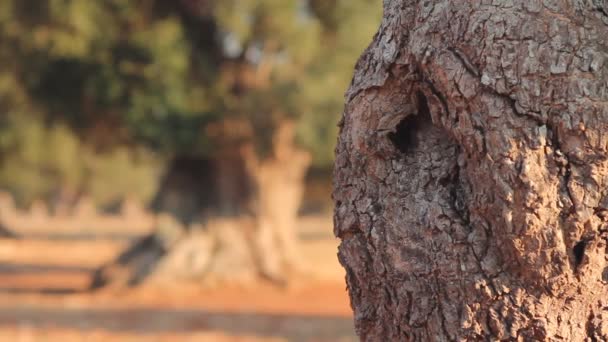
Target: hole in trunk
column 405, row 136
column 579, row 252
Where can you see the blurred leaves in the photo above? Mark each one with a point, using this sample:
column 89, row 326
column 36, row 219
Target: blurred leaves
column 39, row 160
column 98, row 95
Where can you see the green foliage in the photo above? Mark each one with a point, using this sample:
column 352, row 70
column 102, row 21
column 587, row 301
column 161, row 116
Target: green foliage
column 349, row 27
column 86, row 85
column 40, row 160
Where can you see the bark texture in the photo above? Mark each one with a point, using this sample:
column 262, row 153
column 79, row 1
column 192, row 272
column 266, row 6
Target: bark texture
column 471, row 177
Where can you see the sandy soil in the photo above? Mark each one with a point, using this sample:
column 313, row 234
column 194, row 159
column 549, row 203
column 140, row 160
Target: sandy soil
column 315, row 312
column 42, row 298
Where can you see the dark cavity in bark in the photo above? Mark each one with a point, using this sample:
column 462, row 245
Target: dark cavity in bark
column 404, row 138
column 579, row 252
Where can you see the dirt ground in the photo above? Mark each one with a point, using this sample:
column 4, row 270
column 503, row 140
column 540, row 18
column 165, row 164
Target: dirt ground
column 43, row 298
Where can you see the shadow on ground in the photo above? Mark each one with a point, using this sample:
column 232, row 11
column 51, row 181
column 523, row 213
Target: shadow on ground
column 148, row 322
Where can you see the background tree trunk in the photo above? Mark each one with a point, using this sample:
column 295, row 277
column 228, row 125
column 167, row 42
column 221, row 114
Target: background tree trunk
column 471, row 178
column 7, row 214
column 227, row 219
column 201, row 229
column 5, row 232
column 280, row 187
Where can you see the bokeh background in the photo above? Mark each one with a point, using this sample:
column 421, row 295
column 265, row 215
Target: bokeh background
column 165, row 168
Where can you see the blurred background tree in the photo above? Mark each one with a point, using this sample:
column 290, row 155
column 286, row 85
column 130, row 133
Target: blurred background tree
column 142, row 98
column 154, row 74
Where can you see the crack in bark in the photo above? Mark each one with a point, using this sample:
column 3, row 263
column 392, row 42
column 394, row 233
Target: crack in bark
column 564, row 185
column 590, row 327
column 439, row 309
column 462, row 57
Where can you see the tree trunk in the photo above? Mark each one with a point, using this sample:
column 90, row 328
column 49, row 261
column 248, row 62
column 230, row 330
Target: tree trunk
column 201, row 230
column 232, row 218
column 280, row 186
column 8, row 212
column 5, row 232
column 471, row 178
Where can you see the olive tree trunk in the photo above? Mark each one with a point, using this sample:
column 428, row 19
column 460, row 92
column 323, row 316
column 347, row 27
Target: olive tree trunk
column 8, row 212
column 279, row 180
column 471, row 175
column 227, row 219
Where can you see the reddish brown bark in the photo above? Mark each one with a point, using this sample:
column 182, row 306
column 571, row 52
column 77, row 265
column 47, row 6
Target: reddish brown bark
column 471, row 177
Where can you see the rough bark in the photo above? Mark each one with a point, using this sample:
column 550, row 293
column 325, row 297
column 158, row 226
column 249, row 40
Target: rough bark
column 471, row 177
